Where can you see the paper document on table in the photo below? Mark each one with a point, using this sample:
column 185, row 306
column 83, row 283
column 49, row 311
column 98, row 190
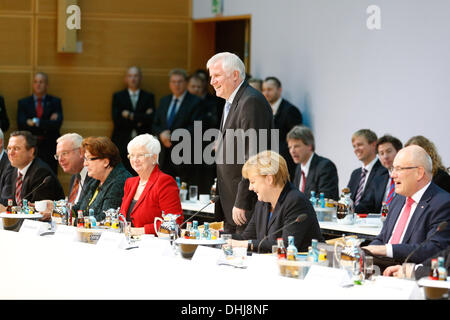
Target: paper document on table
column 207, row 255
column 32, row 226
column 66, row 233
column 339, row 277
column 110, row 239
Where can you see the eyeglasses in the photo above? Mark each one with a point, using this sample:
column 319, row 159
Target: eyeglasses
column 139, row 156
column 63, row 154
column 399, row 169
column 91, row 159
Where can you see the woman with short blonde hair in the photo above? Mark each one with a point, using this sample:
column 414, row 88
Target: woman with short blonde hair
column 279, row 204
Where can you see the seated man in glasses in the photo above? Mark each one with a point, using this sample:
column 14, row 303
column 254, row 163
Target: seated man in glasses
column 419, row 207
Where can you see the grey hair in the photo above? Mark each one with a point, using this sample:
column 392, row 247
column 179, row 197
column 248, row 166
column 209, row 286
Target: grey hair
column 75, row 138
column 302, row 133
column 230, row 63
column 151, row 144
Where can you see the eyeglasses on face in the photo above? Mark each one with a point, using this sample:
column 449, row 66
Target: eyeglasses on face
column 139, row 156
column 400, row 169
column 63, row 154
column 90, row 159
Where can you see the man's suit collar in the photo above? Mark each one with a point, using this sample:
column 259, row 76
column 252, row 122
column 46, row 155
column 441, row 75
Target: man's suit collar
column 233, row 106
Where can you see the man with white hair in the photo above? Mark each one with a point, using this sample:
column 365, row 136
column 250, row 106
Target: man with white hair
column 245, row 108
column 415, row 213
column 70, row 156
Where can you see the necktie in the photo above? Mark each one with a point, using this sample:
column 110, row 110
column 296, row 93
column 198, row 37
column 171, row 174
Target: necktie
column 74, row 191
column 391, row 193
column 303, row 182
column 361, row 186
column 172, row 112
column 227, row 110
column 134, row 100
column 19, row 182
column 397, row 234
column 39, row 108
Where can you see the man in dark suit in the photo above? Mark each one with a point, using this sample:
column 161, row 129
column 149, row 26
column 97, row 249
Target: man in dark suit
column 313, row 172
column 4, row 120
column 286, row 116
column 178, row 110
column 132, row 113
column 5, row 167
column 42, row 115
column 382, row 190
column 364, row 146
column 70, row 156
column 27, row 181
column 246, row 111
column 419, row 207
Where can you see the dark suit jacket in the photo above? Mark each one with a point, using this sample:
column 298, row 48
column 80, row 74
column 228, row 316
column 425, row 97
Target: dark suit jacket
column 4, row 120
column 372, row 200
column 47, row 131
column 5, row 180
column 290, row 205
column 424, row 269
column 322, row 177
column 36, row 173
column 432, row 209
column 442, row 179
column 87, row 180
column 189, row 111
column 249, row 110
column 355, row 177
column 142, row 121
column 109, row 195
column 286, row 117
column 160, row 194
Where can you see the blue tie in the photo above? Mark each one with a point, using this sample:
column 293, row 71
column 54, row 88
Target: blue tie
column 172, row 113
column 227, row 109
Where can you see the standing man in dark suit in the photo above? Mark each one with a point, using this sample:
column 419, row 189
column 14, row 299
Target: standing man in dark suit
column 27, row 178
column 70, row 156
column 364, row 145
column 382, row 190
column 178, row 110
column 313, row 173
column 419, row 207
column 286, row 116
column 246, row 111
column 4, row 120
column 42, row 115
column 132, row 113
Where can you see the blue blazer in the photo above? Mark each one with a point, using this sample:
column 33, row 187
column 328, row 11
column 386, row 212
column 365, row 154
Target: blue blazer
column 432, row 209
column 373, row 198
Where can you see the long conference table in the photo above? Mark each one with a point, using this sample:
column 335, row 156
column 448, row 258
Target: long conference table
column 364, row 227
column 57, row 266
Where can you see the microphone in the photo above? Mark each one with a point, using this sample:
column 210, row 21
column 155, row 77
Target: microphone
column 213, row 200
column 46, row 180
column 439, row 228
column 299, row 219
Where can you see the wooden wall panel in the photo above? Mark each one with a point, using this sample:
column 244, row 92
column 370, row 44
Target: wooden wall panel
column 118, row 44
column 115, row 34
column 15, row 41
column 15, row 5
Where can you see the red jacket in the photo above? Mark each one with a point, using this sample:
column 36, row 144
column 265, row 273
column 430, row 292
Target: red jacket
column 160, row 194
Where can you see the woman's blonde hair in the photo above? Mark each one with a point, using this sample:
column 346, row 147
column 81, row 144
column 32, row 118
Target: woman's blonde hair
column 430, row 148
column 267, row 163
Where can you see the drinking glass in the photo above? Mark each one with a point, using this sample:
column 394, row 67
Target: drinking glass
column 193, row 193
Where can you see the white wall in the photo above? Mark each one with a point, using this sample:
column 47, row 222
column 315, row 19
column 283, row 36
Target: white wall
column 344, row 77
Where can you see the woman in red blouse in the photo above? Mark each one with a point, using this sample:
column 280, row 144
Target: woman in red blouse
column 152, row 191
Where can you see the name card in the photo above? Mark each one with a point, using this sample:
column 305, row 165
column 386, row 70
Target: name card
column 207, row 255
column 319, row 274
column 65, row 233
column 156, row 246
column 30, row 226
column 110, row 239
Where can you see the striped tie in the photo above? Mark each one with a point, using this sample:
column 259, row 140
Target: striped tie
column 391, row 193
column 361, row 186
column 19, row 182
column 74, row 191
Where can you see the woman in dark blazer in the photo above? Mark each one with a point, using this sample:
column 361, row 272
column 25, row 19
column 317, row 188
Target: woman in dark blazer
column 279, row 204
column 152, row 192
column 104, row 165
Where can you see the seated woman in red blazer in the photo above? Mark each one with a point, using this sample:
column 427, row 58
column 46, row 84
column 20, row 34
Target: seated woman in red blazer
column 152, row 191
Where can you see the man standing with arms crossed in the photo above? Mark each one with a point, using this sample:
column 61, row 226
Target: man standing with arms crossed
column 245, row 108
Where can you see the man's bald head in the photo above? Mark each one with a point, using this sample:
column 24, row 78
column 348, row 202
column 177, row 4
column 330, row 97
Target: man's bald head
column 412, row 170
